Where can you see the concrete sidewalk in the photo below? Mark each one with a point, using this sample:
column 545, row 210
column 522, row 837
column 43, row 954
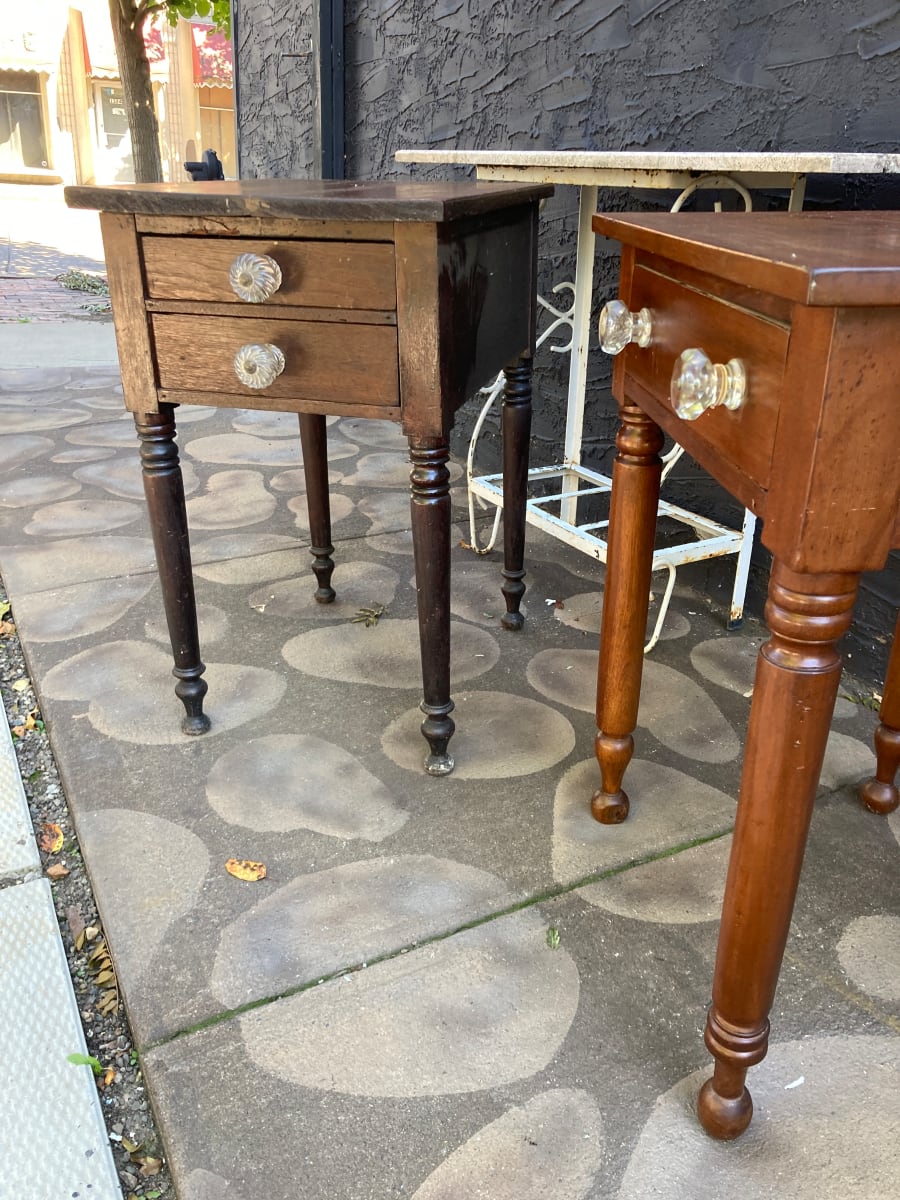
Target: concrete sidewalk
column 457, row 987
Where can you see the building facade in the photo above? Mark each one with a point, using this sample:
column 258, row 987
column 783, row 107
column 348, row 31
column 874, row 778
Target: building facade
column 62, row 110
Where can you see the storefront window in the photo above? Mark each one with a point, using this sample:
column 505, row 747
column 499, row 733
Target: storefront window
column 22, row 140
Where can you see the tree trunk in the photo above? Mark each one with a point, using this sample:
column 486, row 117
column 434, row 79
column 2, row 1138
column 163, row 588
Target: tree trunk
column 134, row 71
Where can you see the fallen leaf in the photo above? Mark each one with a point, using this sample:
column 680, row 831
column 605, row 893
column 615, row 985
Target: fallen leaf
column 243, row 868
column 51, row 839
column 109, row 1002
column 18, row 731
column 57, row 871
column 22, row 685
column 131, row 1147
column 108, row 1076
column 75, row 921
column 7, row 629
column 151, row 1166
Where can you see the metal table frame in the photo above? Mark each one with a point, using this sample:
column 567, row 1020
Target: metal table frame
column 589, row 171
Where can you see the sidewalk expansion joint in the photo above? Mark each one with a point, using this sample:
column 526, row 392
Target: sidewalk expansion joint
column 553, row 893
column 833, row 983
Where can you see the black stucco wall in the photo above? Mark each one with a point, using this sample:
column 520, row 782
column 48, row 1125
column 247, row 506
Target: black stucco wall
column 592, row 74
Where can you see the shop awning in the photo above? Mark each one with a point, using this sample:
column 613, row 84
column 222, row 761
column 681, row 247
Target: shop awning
column 213, row 59
column 100, row 46
column 32, row 35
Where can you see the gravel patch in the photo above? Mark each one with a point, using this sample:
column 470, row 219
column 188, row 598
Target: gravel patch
column 135, row 1142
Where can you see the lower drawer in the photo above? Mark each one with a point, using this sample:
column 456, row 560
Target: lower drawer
column 349, row 364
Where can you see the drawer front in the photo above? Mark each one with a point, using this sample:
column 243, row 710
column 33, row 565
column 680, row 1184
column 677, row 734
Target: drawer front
column 348, row 364
column 314, row 274
column 683, row 318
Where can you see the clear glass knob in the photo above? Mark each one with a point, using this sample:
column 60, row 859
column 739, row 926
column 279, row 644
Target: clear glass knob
column 618, row 327
column 254, row 277
column 698, row 384
column 256, row 366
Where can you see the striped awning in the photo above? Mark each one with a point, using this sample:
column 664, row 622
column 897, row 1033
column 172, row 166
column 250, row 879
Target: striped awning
column 213, row 58
column 100, row 46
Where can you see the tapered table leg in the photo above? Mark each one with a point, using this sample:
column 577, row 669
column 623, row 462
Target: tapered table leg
column 314, row 443
column 797, row 677
column 164, row 489
column 430, row 511
column 880, row 793
column 626, row 599
column 516, row 422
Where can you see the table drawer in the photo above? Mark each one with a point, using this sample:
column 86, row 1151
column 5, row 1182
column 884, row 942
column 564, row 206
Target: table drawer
column 351, row 364
column 685, row 317
column 314, row 274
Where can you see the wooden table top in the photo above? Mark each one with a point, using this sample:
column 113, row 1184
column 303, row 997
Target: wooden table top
column 821, row 259
column 316, row 199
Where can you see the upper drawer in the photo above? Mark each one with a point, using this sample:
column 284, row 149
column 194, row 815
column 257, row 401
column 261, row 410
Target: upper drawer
column 313, row 274
column 686, row 317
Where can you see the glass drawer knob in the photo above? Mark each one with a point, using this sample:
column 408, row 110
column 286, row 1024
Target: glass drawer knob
column 254, row 277
column 698, row 384
column 618, row 327
column 256, row 366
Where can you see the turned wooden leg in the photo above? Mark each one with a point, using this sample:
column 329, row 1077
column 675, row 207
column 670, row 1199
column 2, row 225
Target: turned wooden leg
column 430, row 510
column 516, row 435
column 797, row 677
column 626, row 600
column 164, row 489
column 880, row 793
column 313, row 440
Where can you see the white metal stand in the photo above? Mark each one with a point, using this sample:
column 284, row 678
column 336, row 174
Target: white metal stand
column 590, row 170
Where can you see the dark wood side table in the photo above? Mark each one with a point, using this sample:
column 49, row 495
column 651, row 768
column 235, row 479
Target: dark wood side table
column 805, row 309
column 388, row 300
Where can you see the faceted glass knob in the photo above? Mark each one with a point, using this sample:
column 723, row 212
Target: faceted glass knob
column 254, row 277
column 698, row 384
column 618, row 327
column 256, row 366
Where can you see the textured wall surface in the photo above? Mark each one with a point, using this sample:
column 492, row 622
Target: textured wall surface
column 590, row 74
column 276, row 88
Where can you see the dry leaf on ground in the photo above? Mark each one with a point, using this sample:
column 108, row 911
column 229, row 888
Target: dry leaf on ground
column 57, row 871
column 243, row 868
column 51, row 839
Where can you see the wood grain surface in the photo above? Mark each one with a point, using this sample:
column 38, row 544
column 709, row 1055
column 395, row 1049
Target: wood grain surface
column 321, row 274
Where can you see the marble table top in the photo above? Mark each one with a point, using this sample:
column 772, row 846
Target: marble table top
column 817, row 162
column 655, row 168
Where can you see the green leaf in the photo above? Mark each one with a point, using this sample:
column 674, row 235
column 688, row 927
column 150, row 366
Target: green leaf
column 85, row 1060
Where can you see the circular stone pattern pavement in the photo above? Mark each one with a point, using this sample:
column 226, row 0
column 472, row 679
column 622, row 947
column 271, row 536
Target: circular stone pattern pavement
column 477, row 1010
column 286, row 781
column 815, row 1100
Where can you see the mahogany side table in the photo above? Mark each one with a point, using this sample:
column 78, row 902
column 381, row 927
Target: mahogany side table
column 773, row 353
column 366, row 299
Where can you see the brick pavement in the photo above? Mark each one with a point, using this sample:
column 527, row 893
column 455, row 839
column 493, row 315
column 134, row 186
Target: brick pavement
column 28, row 299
